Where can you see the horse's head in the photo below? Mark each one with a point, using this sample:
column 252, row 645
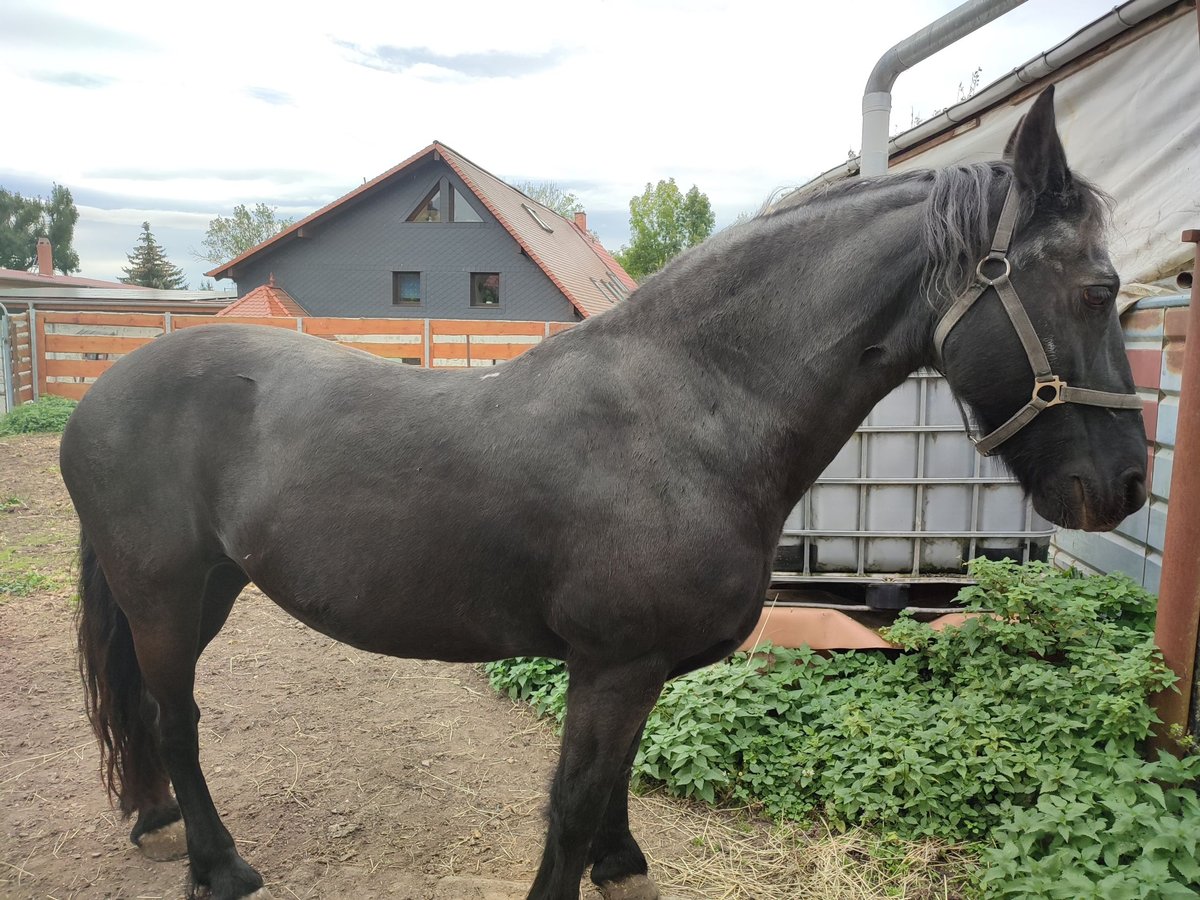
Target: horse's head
column 1051, row 389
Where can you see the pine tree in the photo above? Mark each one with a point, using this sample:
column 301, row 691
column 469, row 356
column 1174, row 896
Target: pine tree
column 149, row 266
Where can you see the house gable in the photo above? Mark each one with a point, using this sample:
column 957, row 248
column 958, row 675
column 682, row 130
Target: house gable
column 563, row 251
column 347, row 262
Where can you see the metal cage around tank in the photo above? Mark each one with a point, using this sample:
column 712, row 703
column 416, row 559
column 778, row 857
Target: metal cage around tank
column 908, row 498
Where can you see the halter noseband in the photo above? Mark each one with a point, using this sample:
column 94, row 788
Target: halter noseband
column 1048, row 389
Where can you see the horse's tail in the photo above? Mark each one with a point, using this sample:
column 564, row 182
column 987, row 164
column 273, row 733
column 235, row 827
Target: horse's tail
column 121, row 713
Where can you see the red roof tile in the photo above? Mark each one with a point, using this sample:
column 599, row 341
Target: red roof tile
column 265, row 300
column 587, row 274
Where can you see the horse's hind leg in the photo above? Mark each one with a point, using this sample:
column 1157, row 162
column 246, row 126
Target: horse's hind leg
column 159, row 831
column 147, row 645
column 167, row 656
column 607, row 706
column 619, row 867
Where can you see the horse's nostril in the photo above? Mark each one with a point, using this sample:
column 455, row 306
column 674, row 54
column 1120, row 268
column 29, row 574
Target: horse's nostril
column 1080, row 492
column 1134, row 482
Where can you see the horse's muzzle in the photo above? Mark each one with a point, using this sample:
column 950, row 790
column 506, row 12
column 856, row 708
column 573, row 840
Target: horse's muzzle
column 1090, row 503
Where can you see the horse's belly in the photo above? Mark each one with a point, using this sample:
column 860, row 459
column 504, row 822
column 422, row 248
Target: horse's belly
column 398, row 624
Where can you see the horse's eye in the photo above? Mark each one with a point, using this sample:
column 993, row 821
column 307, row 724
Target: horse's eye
column 1097, row 296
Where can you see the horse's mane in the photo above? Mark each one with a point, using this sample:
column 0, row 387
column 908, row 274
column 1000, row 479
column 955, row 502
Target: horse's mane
column 956, row 228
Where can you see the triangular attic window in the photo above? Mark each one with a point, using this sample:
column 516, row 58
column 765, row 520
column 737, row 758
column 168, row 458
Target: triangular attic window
column 461, row 209
column 430, row 209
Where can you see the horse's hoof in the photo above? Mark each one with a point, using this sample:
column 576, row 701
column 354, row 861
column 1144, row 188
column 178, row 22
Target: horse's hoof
column 635, row 887
column 203, row 893
column 166, row 843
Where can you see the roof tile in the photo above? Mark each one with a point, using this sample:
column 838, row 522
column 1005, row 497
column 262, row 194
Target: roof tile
column 265, row 300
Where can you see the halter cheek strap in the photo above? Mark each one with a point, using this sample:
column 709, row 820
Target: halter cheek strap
column 1048, row 389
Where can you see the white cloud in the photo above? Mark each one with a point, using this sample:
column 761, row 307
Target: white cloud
column 176, row 109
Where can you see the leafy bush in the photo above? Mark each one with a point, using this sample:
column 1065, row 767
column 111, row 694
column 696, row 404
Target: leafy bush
column 1021, row 728
column 46, row 414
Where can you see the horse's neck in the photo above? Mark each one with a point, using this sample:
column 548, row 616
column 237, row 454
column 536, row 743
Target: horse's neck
column 800, row 344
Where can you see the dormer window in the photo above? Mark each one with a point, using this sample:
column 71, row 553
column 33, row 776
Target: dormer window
column 445, row 203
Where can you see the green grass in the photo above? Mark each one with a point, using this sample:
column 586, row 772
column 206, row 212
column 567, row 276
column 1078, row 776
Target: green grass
column 48, row 414
column 19, row 577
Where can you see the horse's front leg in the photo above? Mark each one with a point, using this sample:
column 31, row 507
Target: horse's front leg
column 618, row 865
column 607, row 705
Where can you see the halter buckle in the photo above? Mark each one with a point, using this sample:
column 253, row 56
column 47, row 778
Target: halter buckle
column 993, row 257
column 1049, row 382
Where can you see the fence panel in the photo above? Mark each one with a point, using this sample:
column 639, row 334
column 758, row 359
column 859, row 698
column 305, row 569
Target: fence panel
column 22, row 358
column 67, row 351
column 399, row 339
column 76, row 348
column 460, row 344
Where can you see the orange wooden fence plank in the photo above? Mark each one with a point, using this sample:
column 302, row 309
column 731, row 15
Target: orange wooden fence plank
column 556, row 327
column 178, row 322
column 479, row 351
column 78, row 368
column 466, row 326
column 66, row 389
column 153, row 320
column 87, row 343
column 325, row 326
column 389, row 351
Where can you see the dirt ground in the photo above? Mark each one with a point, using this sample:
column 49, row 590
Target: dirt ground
column 339, row 773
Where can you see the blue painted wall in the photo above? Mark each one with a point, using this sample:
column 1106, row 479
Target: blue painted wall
column 345, row 267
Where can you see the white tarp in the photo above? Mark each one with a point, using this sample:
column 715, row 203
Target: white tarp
column 1130, row 121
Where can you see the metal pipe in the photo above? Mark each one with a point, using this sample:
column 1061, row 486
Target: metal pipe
column 1179, row 591
column 877, row 96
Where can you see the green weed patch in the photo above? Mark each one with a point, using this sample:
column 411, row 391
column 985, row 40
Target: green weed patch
column 49, row 414
column 1020, row 729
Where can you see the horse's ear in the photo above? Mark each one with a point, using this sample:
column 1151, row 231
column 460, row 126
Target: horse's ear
column 1010, row 145
column 1038, row 158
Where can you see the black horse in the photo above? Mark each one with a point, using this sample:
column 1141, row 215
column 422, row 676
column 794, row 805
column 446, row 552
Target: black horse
column 613, row 497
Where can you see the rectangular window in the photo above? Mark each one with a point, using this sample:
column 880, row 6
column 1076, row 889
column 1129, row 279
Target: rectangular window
column 406, row 289
column 485, row 289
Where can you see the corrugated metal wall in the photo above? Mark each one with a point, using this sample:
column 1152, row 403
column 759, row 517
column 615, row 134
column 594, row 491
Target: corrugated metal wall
column 1154, row 337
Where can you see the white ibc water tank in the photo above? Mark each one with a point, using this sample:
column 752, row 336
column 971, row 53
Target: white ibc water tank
column 908, row 496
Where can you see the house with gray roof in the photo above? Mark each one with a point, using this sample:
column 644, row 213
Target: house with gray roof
column 437, row 237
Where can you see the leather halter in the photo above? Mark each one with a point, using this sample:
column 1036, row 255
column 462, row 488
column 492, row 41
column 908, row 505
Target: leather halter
column 1048, row 389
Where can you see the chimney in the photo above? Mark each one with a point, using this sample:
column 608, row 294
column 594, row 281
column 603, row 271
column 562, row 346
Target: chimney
column 581, row 221
column 45, row 256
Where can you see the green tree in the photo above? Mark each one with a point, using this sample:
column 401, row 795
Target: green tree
column 663, row 222
column 25, row 219
column 149, row 266
column 550, row 194
column 230, row 236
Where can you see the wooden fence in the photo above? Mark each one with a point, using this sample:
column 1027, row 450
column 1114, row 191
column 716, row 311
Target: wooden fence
column 63, row 353
column 22, row 358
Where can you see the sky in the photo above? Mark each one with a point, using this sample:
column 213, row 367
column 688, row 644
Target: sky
column 175, row 113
